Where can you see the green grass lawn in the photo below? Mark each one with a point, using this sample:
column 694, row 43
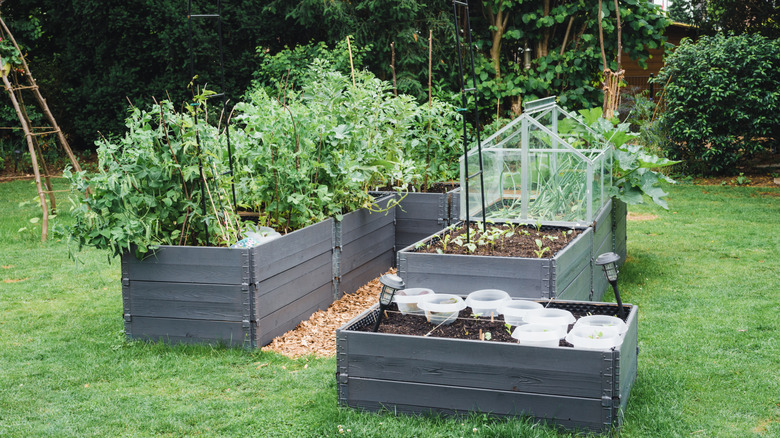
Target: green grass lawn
column 705, row 275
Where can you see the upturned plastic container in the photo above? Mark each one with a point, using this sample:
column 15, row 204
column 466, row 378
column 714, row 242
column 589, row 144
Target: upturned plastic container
column 407, row 299
column 602, row 321
column 538, row 335
column 557, row 317
column 514, row 311
column 594, row 337
column 441, row 308
column 486, row 301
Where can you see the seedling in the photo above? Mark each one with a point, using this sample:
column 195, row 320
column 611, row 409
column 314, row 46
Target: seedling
column 542, row 249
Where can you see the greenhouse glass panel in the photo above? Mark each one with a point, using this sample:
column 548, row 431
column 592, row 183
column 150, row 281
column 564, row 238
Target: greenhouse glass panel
column 543, row 167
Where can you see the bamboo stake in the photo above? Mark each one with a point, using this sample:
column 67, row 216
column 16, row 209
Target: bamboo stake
column 351, row 65
column 430, row 66
column 392, row 67
column 33, row 155
column 42, row 102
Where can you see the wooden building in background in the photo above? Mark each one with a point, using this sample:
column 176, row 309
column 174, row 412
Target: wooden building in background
column 636, row 77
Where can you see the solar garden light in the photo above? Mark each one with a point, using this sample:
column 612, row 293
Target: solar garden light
column 390, row 284
column 608, row 261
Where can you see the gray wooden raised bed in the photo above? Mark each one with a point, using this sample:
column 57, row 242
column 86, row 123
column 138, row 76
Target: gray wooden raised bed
column 364, row 243
column 570, row 274
column 577, row 389
column 420, row 214
column 238, row 297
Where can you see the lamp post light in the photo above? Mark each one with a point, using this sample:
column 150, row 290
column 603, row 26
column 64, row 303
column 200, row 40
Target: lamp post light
column 390, row 284
column 608, row 261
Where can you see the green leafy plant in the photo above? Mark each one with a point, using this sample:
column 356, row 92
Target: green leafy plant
column 632, row 167
column 541, row 248
column 722, row 103
column 741, row 180
column 148, row 190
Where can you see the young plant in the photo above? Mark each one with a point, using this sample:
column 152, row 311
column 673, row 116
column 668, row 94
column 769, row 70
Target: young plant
column 541, row 248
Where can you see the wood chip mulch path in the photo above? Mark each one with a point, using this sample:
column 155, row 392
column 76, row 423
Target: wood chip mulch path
column 317, row 335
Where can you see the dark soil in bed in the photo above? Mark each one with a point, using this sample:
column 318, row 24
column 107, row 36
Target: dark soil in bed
column 513, row 241
column 465, row 327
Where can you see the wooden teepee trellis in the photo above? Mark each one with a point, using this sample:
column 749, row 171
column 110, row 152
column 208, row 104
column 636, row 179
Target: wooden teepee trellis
column 31, row 133
column 612, row 79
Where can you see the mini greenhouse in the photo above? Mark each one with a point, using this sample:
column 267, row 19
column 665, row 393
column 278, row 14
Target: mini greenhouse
column 545, row 166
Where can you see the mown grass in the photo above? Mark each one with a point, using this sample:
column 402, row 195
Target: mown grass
column 704, row 275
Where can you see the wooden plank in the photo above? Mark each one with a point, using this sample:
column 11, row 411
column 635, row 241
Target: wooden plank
column 189, row 331
column 351, row 281
column 475, row 364
column 280, row 290
column 579, row 288
column 363, row 222
column 367, row 247
column 455, row 206
column 462, row 274
column 186, row 300
column 569, row 262
column 292, row 249
column 193, row 264
column 424, row 206
column 287, row 318
column 628, row 363
column 395, row 396
column 600, row 283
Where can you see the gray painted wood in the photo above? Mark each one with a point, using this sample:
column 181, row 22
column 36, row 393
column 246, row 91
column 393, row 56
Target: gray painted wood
column 280, row 290
column 395, row 396
column 188, row 264
column 579, row 288
column 287, row 318
column 488, row 365
column 520, row 277
column 220, row 302
column 569, row 262
column 570, row 387
column 358, row 276
column 190, row 331
column 619, row 215
column 462, row 274
column 291, row 250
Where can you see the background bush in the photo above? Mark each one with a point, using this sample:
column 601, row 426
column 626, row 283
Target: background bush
column 722, row 101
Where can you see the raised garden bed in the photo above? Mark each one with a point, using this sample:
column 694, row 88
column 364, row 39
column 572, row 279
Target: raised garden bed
column 420, row 214
column 570, row 274
column 247, row 297
column 571, row 387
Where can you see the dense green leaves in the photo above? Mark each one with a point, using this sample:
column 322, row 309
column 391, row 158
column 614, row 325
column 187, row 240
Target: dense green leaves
column 722, row 100
column 148, row 189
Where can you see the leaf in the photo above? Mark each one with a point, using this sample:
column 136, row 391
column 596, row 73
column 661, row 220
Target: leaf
column 34, row 220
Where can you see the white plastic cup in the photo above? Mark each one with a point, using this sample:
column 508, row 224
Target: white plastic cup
column 603, row 321
column 546, row 316
column 514, row 311
column 407, row 299
column 594, row 337
column 538, row 335
column 485, row 301
column 441, row 308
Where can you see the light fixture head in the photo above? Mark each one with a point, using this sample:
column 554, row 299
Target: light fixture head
column 390, row 284
column 608, row 261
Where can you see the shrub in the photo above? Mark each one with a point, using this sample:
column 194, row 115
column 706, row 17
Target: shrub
column 722, row 100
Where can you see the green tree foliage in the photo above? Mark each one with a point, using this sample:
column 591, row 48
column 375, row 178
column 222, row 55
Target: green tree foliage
column 94, row 55
column 562, row 39
column 378, row 23
column 722, row 100
column 745, row 16
column 91, row 56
